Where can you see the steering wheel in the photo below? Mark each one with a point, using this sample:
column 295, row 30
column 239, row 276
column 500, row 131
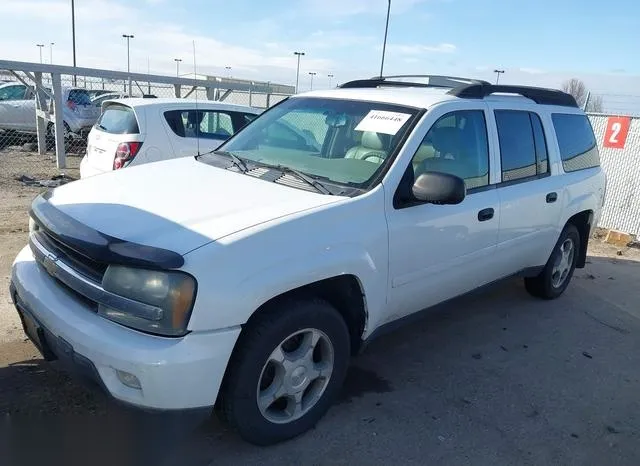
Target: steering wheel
column 372, row 156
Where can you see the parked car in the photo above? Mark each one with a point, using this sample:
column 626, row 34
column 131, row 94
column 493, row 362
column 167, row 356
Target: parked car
column 246, row 278
column 18, row 110
column 135, row 131
column 97, row 101
column 93, row 93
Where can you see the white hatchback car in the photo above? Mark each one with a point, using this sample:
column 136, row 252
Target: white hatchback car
column 135, row 131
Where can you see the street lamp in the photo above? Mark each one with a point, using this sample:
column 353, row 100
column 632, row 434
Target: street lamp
column 498, row 73
column 299, row 54
column 177, row 60
column 312, row 74
column 384, row 44
column 330, row 76
column 40, row 47
column 128, row 37
column 73, row 37
column 51, row 44
column 228, row 68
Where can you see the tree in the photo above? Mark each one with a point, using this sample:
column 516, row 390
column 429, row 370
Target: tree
column 579, row 91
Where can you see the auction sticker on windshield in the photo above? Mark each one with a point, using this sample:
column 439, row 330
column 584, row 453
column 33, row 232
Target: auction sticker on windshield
column 379, row 121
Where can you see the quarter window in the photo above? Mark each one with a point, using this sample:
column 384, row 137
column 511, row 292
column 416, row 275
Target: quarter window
column 456, row 144
column 201, row 123
column 578, row 148
column 16, row 92
column 523, row 150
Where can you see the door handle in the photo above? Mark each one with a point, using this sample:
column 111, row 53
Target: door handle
column 485, row 214
column 552, row 197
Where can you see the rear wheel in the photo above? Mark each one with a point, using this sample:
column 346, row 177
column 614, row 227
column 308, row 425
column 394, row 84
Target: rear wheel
column 51, row 134
column 557, row 273
column 288, row 367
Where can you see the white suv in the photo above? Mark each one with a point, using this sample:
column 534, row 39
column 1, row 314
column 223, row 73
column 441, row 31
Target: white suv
column 246, row 278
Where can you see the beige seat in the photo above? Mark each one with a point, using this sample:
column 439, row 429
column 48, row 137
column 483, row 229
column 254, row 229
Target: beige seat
column 371, row 148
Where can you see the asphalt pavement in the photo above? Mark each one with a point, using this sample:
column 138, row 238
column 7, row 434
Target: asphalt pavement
column 494, row 378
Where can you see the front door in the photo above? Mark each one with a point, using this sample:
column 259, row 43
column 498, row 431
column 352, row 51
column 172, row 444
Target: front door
column 437, row 252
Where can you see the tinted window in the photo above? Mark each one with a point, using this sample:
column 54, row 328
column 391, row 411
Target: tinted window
column 456, row 144
column 517, row 149
column 201, row 123
column 118, row 119
column 79, row 97
column 577, row 142
column 13, row 92
column 541, row 144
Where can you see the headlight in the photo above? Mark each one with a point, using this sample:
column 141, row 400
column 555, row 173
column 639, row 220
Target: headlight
column 173, row 293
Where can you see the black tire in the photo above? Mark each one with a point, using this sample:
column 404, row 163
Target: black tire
column 238, row 397
column 542, row 286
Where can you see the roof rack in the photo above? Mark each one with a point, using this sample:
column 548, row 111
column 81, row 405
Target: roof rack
column 467, row 88
column 539, row 95
column 434, row 81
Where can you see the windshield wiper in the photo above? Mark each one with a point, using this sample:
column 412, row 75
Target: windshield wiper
column 307, row 179
column 237, row 161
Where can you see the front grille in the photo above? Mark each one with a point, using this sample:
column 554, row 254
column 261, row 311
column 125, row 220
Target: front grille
column 86, row 266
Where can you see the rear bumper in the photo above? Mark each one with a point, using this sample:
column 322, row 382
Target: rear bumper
column 175, row 374
column 87, row 170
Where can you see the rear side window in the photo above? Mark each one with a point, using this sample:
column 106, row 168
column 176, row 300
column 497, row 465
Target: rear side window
column 201, row 123
column 523, row 149
column 578, row 148
column 118, row 119
column 79, row 97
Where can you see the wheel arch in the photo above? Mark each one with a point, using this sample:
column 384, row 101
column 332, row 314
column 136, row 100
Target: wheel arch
column 583, row 221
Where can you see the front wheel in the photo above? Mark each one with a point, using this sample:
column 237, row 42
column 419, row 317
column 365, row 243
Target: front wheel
column 288, row 367
column 557, row 273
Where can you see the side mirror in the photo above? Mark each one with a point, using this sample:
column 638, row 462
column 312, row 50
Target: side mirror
column 439, row 188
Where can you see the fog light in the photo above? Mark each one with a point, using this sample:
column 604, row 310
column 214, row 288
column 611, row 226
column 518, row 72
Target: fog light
column 129, row 380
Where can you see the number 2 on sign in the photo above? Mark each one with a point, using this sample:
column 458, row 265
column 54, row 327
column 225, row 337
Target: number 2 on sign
column 616, row 134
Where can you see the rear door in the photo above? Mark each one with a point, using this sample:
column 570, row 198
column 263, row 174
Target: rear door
column 117, row 124
column 530, row 198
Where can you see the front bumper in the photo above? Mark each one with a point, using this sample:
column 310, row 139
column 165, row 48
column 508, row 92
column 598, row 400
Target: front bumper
column 174, row 373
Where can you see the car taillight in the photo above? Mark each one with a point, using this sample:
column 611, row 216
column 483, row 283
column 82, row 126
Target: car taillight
column 125, row 152
column 71, row 104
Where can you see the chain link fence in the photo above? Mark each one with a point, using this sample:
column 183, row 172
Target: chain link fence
column 27, row 99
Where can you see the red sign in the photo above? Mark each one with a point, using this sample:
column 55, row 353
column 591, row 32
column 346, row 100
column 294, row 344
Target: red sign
column 616, row 134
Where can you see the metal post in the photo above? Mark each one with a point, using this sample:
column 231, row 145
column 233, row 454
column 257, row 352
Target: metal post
column 312, row 74
column 586, row 101
column 40, row 47
column 128, row 37
column 268, row 102
column 148, row 72
column 56, row 85
column 41, row 123
column 299, row 54
column 498, row 73
column 73, row 36
column 51, row 52
column 177, row 60
column 330, row 76
column 176, row 88
column 384, row 44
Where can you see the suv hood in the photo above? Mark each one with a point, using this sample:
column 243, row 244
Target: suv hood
column 179, row 204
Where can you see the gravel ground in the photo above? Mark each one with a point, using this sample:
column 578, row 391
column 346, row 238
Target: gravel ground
column 496, row 377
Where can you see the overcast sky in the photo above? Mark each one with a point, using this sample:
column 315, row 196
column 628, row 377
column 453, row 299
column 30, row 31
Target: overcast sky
column 541, row 42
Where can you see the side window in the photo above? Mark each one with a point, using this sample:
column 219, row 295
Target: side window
column 456, row 144
column 202, row 123
column 542, row 158
column 578, row 148
column 16, row 92
column 517, row 146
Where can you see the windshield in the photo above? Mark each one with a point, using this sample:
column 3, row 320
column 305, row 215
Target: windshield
column 343, row 141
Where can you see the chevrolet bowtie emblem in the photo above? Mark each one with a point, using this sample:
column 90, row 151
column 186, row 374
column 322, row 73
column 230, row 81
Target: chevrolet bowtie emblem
column 49, row 263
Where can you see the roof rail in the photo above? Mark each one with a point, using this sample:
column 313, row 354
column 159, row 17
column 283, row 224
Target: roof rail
column 539, row 95
column 434, row 81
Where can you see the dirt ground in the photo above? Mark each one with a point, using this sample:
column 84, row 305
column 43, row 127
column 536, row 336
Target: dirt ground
column 495, row 378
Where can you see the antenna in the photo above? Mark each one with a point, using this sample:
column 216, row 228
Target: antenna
column 195, row 83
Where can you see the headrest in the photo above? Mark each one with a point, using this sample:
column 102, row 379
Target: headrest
column 372, row 140
column 446, row 140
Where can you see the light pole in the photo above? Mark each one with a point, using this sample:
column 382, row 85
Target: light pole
column 384, row 44
column 177, row 60
column 40, row 47
column 128, row 37
column 51, row 44
column 312, row 74
column 498, row 73
column 228, row 68
column 299, row 54
column 73, row 37
column 330, row 76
